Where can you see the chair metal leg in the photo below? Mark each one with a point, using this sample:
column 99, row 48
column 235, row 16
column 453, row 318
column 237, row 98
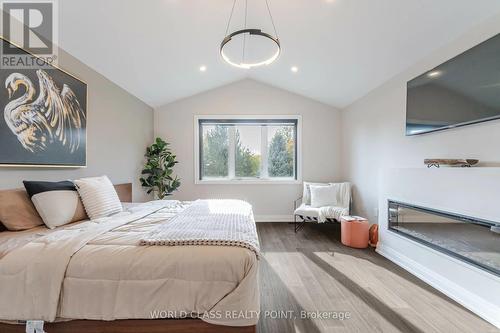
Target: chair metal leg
column 299, row 225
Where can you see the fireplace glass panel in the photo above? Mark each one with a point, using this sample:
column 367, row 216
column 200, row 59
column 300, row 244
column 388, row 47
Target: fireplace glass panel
column 465, row 238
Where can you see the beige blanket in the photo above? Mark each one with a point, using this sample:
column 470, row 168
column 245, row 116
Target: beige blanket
column 98, row 271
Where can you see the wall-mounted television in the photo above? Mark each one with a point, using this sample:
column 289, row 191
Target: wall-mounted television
column 464, row 90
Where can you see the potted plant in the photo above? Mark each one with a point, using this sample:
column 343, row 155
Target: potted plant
column 157, row 173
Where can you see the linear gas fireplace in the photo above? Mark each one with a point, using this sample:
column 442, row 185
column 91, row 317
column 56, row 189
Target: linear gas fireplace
column 469, row 239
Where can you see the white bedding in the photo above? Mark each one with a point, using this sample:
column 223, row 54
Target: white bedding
column 98, row 271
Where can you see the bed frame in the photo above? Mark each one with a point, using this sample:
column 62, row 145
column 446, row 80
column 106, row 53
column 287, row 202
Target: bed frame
column 132, row 326
column 124, row 192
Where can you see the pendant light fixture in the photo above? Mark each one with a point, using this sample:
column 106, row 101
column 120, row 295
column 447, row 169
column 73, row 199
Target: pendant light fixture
column 246, row 32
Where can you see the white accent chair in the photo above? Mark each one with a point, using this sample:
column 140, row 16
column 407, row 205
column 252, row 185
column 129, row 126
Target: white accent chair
column 341, row 205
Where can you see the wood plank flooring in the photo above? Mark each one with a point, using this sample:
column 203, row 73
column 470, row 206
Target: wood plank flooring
column 312, row 273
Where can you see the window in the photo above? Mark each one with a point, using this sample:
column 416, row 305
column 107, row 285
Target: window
column 247, row 149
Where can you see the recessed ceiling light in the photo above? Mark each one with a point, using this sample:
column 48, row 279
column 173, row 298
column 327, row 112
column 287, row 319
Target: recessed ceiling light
column 203, row 68
column 294, row 69
column 434, row 74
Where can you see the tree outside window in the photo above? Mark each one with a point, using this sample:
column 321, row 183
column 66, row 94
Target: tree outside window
column 235, row 150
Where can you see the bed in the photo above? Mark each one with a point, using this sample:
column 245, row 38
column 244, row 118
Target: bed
column 112, row 283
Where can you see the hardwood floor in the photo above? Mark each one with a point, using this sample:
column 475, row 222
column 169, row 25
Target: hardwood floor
column 312, row 272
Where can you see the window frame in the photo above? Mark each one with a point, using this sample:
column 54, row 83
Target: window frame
column 199, row 119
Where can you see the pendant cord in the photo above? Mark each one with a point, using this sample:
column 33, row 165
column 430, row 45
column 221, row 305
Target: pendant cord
column 230, row 18
column 272, row 20
column 245, row 36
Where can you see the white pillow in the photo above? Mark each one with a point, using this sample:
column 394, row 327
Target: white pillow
column 99, row 196
column 306, row 195
column 57, row 203
column 322, row 196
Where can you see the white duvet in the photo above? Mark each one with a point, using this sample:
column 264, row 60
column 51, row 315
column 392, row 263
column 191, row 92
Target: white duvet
column 98, row 271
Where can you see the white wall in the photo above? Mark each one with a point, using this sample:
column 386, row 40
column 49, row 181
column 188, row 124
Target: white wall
column 320, row 142
column 119, row 128
column 462, row 191
column 383, row 163
column 373, row 129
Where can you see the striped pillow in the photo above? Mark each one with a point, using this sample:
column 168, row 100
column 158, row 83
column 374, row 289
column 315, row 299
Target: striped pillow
column 99, row 197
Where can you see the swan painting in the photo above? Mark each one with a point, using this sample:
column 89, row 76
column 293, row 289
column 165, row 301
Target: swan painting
column 37, row 121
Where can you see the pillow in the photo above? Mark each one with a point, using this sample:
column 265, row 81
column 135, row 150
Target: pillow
column 99, row 196
column 17, row 212
column 306, row 195
column 322, row 196
column 57, row 203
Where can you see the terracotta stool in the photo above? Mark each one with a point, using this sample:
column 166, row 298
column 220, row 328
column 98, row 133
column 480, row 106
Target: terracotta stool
column 354, row 231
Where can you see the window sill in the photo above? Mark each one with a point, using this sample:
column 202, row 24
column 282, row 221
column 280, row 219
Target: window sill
column 248, row 182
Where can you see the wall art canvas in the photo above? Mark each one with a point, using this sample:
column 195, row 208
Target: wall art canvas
column 44, row 116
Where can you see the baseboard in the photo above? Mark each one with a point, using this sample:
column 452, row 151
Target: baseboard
column 273, row 218
column 479, row 306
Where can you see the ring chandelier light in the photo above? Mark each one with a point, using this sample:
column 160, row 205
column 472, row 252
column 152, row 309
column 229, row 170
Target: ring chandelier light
column 249, row 32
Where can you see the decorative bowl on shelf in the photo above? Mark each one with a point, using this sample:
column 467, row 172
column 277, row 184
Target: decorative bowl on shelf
column 438, row 162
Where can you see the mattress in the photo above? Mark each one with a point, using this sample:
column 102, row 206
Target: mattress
column 112, row 277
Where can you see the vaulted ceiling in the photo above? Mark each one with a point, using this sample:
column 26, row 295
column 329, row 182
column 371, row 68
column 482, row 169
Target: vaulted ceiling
column 342, row 48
